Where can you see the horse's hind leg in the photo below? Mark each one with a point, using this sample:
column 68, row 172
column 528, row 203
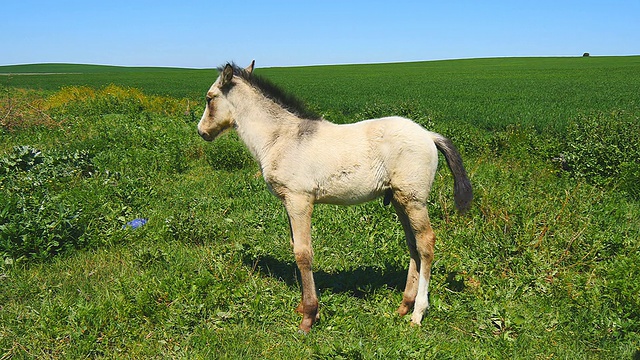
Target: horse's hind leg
column 415, row 220
column 411, row 287
column 299, row 209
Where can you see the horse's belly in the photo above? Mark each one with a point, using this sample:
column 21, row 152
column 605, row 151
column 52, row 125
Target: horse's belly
column 346, row 188
column 345, row 198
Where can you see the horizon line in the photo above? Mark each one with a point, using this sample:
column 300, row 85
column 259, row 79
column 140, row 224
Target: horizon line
column 318, row 64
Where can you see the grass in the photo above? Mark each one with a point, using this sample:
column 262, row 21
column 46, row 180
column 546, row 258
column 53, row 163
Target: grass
column 542, row 267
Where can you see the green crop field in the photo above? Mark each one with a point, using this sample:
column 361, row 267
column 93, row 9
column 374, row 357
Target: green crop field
column 545, row 265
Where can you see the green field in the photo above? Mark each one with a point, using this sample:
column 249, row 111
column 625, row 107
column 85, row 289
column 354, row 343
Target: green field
column 540, row 92
column 546, row 264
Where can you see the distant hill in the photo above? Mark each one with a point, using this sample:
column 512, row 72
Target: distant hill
column 54, row 68
column 176, row 82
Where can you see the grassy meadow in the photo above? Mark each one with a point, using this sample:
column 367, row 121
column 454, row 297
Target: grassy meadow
column 546, row 264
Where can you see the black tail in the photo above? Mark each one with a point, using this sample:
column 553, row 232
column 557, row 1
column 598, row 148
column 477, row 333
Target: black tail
column 462, row 192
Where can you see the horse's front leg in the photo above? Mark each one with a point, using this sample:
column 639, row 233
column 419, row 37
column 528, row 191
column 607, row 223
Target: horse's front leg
column 299, row 209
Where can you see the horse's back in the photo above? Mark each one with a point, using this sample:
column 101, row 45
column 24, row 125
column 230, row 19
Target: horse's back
column 403, row 138
column 392, row 129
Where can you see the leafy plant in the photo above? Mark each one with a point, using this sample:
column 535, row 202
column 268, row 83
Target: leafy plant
column 604, row 149
column 36, row 220
column 23, row 158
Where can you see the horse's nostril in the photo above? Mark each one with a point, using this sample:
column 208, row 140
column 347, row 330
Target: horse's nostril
column 204, row 135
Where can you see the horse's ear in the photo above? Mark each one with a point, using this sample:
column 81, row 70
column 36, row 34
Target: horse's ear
column 249, row 68
column 227, row 75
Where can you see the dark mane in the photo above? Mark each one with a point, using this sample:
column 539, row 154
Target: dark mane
column 275, row 93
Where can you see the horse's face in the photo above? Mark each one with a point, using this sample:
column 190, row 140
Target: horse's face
column 218, row 115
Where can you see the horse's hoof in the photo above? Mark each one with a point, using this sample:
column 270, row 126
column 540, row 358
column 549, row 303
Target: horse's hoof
column 403, row 310
column 304, row 330
column 415, row 320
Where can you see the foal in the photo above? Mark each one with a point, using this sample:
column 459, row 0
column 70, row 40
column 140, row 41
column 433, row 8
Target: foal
column 307, row 160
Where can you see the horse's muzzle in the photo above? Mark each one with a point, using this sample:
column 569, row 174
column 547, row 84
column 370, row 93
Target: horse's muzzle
column 205, row 135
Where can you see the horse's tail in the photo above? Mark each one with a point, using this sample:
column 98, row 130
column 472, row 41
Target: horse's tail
column 462, row 192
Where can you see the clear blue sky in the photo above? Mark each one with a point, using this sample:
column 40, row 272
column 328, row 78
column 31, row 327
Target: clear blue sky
column 189, row 33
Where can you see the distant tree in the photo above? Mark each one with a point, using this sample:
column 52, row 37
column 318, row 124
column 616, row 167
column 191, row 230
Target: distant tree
column 585, row 54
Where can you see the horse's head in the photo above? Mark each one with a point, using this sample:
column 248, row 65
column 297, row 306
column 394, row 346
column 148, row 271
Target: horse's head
column 218, row 114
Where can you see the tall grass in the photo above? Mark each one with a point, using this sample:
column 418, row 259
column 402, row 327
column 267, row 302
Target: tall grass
column 543, row 266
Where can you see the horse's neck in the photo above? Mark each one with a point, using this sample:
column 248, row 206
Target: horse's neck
column 261, row 123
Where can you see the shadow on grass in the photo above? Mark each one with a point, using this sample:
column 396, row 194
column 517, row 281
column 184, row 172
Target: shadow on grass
column 359, row 282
